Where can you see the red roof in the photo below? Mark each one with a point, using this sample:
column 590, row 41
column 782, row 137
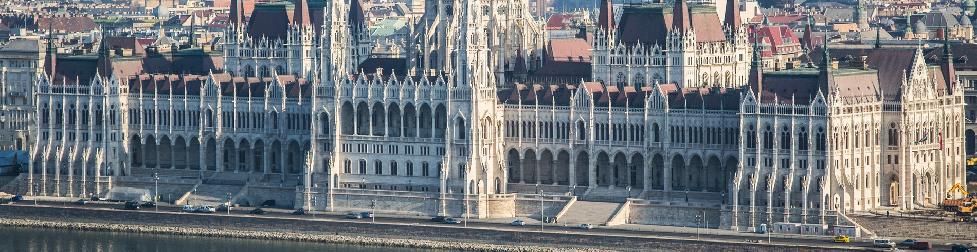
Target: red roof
column 569, row 50
column 651, row 24
column 558, row 22
column 778, row 39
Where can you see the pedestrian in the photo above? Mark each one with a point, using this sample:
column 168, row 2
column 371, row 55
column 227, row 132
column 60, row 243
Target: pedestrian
column 886, row 213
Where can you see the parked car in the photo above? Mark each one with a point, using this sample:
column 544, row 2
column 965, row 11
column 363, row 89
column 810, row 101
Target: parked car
column 17, row 198
column 842, row 239
column 188, row 208
column 206, row 209
column 82, row 202
column 299, row 212
column 907, row 243
column 257, row 211
column 95, row 198
column 921, row 245
column 586, row 226
column 452, row 221
column 354, row 216
column 268, row 203
column 959, row 248
column 366, row 214
column 132, row 205
column 518, row 223
column 438, row 218
column 148, row 204
column 883, row 243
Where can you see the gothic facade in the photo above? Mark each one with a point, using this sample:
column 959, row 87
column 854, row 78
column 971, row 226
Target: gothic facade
column 800, row 145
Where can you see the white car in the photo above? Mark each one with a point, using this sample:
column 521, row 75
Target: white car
column 188, row 208
column 518, row 223
column 586, row 226
column 883, row 243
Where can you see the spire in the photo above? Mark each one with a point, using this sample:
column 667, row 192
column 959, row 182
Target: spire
column 606, row 19
column 756, row 67
column 104, row 64
column 356, row 14
column 733, row 13
column 680, row 16
column 51, row 57
column 809, row 33
column 825, row 79
column 237, row 14
column 301, row 15
column 949, row 73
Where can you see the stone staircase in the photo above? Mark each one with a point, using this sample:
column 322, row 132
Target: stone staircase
column 606, row 194
column 213, row 195
column 168, row 191
column 590, row 212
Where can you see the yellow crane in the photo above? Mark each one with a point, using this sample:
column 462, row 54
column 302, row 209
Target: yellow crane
column 959, row 202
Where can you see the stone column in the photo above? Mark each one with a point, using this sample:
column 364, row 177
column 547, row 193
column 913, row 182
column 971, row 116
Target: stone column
column 219, row 147
column 282, row 160
column 592, row 171
column 667, row 174
column 265, row 160
column 572, row 173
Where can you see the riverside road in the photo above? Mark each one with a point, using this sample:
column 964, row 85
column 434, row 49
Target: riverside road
column 416, row 228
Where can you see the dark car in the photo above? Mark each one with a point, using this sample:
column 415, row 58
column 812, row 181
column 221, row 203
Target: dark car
column 366, row 214
column 17, row 198
column 452, row 221
column 268, row 203
column 354, row 216
column 438, row 218
column 148, row 204
column 959, row 248
column 81, row 202
column 257, row 211
column 921, row 245
column 132, row 205
column 299, row 212
column 94, row 198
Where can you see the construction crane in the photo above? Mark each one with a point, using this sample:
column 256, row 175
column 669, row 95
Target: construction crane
column 959, row 202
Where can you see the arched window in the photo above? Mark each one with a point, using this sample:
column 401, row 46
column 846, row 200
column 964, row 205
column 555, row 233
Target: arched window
column 768, row 138
column 460, row 128
column 751, row 138
column 378, row 167
column 802, row 139
column 821, row 140
column 581, row 131
column 425, row 169
column 362, row 164
column 785, row 138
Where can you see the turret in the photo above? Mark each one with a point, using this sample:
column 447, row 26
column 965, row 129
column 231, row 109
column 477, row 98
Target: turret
column 732, row 14
column 756, row 68
column 681, row 19
column 300, row 17
column 949, row 73
column 606, row 19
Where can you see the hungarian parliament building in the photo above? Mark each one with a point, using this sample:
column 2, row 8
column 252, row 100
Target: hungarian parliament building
column 678, row 116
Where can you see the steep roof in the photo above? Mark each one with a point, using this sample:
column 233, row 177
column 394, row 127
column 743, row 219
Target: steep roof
column 650, row 23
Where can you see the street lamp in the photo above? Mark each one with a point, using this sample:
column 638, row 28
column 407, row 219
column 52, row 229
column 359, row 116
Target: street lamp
column 156, row 193
column 373, row 214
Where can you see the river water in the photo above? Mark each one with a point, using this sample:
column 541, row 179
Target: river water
column 52, row 240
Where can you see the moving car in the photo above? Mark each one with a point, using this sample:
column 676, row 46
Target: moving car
column 148, row 204
column 438, row 218
column 959, row 248
column 452, row 221
column 842, row 239
column 17, row 198
column 883, row 243
column 366, row 214
column 299, row 212
column 354, row 216
column 518, row 223
column 132, row 205
column 188, row 208
column 268, row 203
column 257, row 211
column 223, row 207
column 907, row 243
column 81, row 202
column 586, row 226
column 921, row 245
column 206, row 209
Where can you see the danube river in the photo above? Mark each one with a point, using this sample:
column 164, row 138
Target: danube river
column 51, row 240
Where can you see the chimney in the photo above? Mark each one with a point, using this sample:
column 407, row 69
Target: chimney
column 834, row 64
